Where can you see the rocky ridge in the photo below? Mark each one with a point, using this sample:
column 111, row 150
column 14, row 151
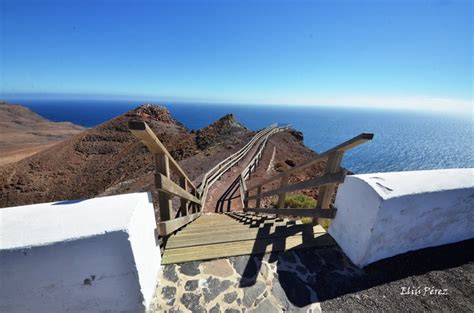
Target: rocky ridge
column 106, row 159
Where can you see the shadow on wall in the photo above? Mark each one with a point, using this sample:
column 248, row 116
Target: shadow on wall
column 67, row 202
column 310, row 275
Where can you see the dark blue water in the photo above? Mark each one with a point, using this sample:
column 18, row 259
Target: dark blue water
column 403, row 140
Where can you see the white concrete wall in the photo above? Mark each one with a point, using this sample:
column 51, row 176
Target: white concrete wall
column 96, row 255
column 384, row 214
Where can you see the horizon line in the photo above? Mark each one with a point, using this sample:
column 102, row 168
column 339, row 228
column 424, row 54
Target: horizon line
column 414, row 103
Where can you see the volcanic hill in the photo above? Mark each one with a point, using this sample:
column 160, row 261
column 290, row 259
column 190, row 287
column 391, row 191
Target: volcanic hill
column 108, row 159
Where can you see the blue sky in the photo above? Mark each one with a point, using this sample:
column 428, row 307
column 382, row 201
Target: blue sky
column 400, row 54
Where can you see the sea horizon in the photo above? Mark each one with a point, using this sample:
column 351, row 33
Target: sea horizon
column 404, row 140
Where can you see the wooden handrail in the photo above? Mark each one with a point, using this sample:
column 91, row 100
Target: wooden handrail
column 246, row 173
column 333, row 175
column 165, row 184
column 358, row 140
column 224, row 165
column 167, row 188
column 315, row 182
column 164, row 162
column 142, row 131
column 171, row 226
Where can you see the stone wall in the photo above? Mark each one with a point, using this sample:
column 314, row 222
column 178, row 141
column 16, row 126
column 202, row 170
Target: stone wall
column 384, row 214
column 79, row 256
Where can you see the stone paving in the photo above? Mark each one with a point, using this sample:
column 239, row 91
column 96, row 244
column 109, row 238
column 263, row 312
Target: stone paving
column 311, row 280
column 263, row 283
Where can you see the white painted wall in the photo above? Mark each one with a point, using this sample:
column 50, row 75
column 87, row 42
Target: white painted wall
column 96, row 255
column 384, row 214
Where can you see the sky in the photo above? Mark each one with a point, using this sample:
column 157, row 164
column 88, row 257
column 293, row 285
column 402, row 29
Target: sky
column 391, row 54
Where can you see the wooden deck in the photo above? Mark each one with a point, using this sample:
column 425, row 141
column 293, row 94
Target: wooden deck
column 232, row 234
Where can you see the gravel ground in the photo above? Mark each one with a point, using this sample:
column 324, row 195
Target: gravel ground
column 433, row 279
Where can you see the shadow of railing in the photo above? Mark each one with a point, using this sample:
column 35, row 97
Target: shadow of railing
column 275, row 243
column 330, row 274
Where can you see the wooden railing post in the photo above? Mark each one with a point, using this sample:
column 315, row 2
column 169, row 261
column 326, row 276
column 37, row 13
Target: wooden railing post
column 281, row 197
column 194, row 207
column 162, row 166
column 246, row 200
column 326, row 192
column 259, row 192
column 184, row 203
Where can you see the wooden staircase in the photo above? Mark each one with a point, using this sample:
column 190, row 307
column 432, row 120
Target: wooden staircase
column 190, row 235
column 235, row 233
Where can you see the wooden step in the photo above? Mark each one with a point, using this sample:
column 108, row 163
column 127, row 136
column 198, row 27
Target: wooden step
column 254, row 234
column 223, row 235
column 234, row 227
column 246, row 247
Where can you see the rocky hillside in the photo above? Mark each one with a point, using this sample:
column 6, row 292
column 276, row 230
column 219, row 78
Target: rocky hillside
column 23, row 132
column 108, row 159
column 224, row 128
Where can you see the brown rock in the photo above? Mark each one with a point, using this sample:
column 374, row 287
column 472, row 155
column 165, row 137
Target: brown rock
column 220, row 268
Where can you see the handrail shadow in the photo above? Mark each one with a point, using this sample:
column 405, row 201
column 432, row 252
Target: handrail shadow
column 330, row 273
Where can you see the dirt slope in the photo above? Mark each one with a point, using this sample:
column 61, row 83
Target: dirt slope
column 24, row 133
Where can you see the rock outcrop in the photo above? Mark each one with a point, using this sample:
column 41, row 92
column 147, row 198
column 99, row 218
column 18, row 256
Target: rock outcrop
column 220, row 130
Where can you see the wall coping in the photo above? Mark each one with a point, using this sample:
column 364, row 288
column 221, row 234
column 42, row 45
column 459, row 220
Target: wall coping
column 395, row 184
column 48, row 223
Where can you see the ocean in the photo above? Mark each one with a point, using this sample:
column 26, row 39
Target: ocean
column 403, row 140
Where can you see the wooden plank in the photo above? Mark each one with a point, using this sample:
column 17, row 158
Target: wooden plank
column 242, row 191
column 282, row 195
column 258, row 196
column 142, row 131
column 247, row 247
column 238, row 222
column 214, row 217
column 206, row 218
column 255, row 218
column 209, row 226
column 354, row 142
column 170, row 226
column 323, row 213
column 232, row 222
column 209, row 178
column 223, row 231
column 255, row 234
column 228, row 221
column 165, row 184
column 234, row 228
column 331, row 178
column 213, row 174
column 358, row 140
column 183, row 183
column 252, row 216
column 326, row 192
column 164, row 199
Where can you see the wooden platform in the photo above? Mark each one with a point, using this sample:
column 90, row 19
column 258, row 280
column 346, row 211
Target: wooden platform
column 232, row 234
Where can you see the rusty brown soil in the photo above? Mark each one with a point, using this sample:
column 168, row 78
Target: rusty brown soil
column 283, row 150
column 24, row 133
